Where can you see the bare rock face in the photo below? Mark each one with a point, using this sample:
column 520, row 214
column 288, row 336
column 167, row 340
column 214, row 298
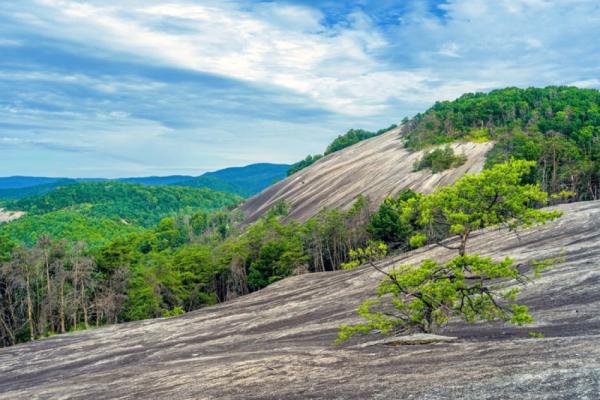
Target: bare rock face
column 278, row 343
column 7, row 216
column 376, row 168
column 410, row 340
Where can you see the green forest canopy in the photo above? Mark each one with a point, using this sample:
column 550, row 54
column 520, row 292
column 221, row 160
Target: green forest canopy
column 557, row 127
column 97, row 212
column 133, row 203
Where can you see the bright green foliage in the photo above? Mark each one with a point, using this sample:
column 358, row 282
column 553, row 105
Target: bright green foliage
column 68, row 225
column 174, row 312
column 492, row 198
column 373, row 251
column 478, row 135
column 352, row 137
column 557, row 127
column 417, row 240
column 199, row 273
column 131, row 203
column 568, row 110
column 167, row 271
column 307, row 162
column 389, row 224
column 272, row 250
column 98, row 212
column 440, row 160
column 425, row 297
column 536, row 335
column 6, row 246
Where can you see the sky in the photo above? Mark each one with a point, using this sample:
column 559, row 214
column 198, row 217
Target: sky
column 139, row 87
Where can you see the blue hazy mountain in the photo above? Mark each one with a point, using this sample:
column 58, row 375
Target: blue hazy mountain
column 244, row 181
column 47, row 185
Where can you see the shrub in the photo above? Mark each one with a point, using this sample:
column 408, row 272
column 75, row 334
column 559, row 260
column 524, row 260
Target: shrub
column 440, row 160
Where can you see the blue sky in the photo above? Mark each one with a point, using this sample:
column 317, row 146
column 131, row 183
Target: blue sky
column 139, row 87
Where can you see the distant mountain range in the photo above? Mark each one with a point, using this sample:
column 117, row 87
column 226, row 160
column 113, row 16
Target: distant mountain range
column 243, row 181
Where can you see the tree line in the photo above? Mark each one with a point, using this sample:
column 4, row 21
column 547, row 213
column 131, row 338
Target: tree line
column 348, row 139
column 558, row 128
column 183, row 263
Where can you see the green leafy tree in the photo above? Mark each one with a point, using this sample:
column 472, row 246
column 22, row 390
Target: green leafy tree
column 557, row 127
column 439, row 160
column 388, row 223
column 423, row 298
column 492, row 198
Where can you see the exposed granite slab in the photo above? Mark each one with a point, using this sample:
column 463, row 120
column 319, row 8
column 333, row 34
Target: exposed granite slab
column 278, row 343
column 377, row 168
column 7, row 216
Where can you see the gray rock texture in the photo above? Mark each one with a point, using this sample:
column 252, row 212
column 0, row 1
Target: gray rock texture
column 278, row 343
column 377, row 168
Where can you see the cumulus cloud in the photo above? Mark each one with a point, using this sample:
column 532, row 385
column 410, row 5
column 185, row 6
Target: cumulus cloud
column 218, row 82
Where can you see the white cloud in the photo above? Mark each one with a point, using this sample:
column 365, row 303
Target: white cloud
column 449, row 50
column 339, row 67
column 10, row 43
column 283, row 46
column 287, row 68
column 587, row 83
column 105, row 84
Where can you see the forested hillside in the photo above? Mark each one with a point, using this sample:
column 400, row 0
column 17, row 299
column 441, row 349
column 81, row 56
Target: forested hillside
column 131, row 203
column 95, row 253
column 97, row 212
column 157, row 180
column 244, row 181
column 17, row 182
column 557, row 127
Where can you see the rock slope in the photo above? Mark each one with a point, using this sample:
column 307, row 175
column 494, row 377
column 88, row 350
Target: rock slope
column 376, row 168
column 7, row 216
column 278, row 343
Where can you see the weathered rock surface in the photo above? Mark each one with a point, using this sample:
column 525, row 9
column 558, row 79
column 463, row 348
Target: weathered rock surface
column 376, row 168
column 278, row 343
column 7, row 216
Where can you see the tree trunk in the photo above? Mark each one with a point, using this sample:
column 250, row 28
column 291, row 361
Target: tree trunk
column 62, row 306
column 462, row 250
column 9, row 332
column 75, row 278
column 29, row 309
column 49, row 294
column 84, row 306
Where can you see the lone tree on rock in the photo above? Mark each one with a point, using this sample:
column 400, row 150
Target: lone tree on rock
column 423, row 298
